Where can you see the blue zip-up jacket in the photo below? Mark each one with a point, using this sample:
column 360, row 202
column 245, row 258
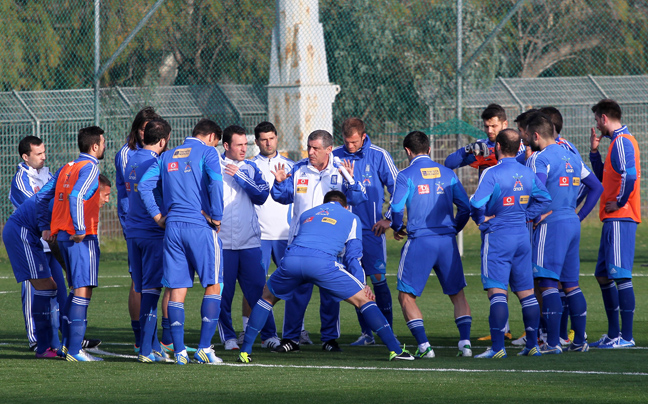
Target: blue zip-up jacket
column 85, row 187
column 191, row 182
column 26, row 182
column 332, row 229
column 138, row 221
column 375, row 168
column 121, row 159
column 512, row 193
column 429, row 190
column 26, row 215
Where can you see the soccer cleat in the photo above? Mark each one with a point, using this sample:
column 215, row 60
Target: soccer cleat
column 501, row 354
column 535, row 351
column 240, row 338
column 181, row 358
column 363, row 340
column 618, row 343
column 403, row 356
column 331, row 346
column 49, row 353
column 32, row 346
column 547, row 349
column 507, row 335
column 602, row 341
column 466, row 351
column 428, row 353
column 287, row 345
column 231, row 345
column 207, row 355
column 90, row 343
column 169, row 348
column 520, row 341
column 304, row 338
column 82, row 356
column 584, row 347
column 570, row 335
column 62, row 352
column 136, row 349
column 244, row 357
column 152, row 357
column 565, row 342
column 271, row 343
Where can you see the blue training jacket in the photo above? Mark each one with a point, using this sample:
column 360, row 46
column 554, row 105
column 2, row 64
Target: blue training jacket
column 121, row 159
column 138, row 221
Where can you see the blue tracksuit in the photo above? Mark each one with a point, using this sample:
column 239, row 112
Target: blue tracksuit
column 121, row 160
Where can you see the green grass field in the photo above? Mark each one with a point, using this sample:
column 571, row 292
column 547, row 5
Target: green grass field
column 359, row 374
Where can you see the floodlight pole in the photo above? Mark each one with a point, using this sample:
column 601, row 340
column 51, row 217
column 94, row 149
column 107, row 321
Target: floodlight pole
column 97, row 58
column 459, row 95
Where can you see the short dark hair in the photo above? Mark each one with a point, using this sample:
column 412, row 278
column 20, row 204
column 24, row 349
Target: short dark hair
column 523, row 118
column 555, row 116
column 609, row 108
column 26, row 143
column 89, row 137
column 263, row 127
column 541, row 124
column 146, row 114
column 231, row 130
column 492, row 111
column 336, row 196
column 104, row 181
column 509, row 141
column 156, row 130
column 205, row 126
column 417, row 141
column 353, row 125
column 327, row 138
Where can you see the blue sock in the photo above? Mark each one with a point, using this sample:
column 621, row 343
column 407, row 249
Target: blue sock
column 611, row 302
column 42, row 322
column 578, row 314
column 378, row 323
column 78, row 316
column 627, row 307
column 177, row 318
column 258, row 317
column 497, row 320
column 418, row 330
column 137, row 331
column 148, row 319
column 65, row 319
column 463, row 324
column 166, row 331
column 531, row 319
column 55, row 323
column 364, row 327
column 552, row 312
column 384, row 299
column 564, row 319
column 209, row 311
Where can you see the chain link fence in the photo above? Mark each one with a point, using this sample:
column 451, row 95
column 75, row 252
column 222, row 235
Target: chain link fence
column 393, row 63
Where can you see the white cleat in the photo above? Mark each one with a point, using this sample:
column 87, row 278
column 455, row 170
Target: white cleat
column 231, row 345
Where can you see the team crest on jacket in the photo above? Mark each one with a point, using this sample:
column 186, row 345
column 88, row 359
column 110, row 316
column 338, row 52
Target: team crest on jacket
column 518, row 183
column 334, row 179
column 439, row 188
column 366, row 177
column 568, row 166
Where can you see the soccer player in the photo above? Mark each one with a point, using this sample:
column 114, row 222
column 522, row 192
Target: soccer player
column 305, row 186
column 429, row 190
column 74, row 222
column 192, row 194
column 377, row 170
column 243, row 189
column 319, row 237
column 620, row 212
column 145, row 237
column 556, row 240
column 133, row 143
column 508, row 195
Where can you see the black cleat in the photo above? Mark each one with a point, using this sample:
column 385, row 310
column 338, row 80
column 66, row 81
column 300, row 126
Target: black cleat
column 32, row 346
column 287, row 345
column 331, row 346
column 90, row 343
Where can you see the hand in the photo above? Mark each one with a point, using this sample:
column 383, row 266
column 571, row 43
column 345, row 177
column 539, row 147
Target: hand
column 487, row 218
column 381, row 227
column 369, row 293
column 481, row 149
column 348, row 165
column 47, row 235
column 160, row 220
column 542, row 217
column 527, row 152
column 611, row 206
column 399, row 235
column 213, row 223
column 77, row 238
column 231, row 169
column 594, row 141
column 280, row 173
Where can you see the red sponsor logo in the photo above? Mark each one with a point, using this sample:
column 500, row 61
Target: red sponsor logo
column 564, row 181
column 172, row 166
column 423, row 189
column 128, row 188
column 310, row 219
column 302, row 181
column 509, row 200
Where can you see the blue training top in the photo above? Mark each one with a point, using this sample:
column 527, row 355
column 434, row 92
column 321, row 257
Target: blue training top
column 138, row 221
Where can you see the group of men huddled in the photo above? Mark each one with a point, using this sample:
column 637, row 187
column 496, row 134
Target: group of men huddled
column 321, row 220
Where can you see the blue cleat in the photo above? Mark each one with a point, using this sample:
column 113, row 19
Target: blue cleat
column 363, row 340
column 617, row 343
column 578, row 348
column 501, row 354
column 207, row 355
column 535, row 351
column 169, row 348
column 153, row 357
column 181, row 358
column 602, row 341
column 547, row 349
column 82, row 356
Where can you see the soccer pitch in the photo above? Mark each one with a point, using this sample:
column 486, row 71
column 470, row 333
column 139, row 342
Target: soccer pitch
column 359, row 374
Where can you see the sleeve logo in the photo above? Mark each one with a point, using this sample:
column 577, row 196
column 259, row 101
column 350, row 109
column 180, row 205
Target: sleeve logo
column 430, row 173
column 564, row 181
column 509, row 200
column 172, row 166
column 423, row 189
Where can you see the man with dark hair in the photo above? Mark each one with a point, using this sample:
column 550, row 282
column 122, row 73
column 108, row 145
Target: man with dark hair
column 521, row 122
column 556, row 240
column 144, row 239
column 508, row 195
column 204, row 127
column 481, row 154
column 620, row 212
column 430, row 192
column 74, row 222
column 325, row 249
column 305, row 186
